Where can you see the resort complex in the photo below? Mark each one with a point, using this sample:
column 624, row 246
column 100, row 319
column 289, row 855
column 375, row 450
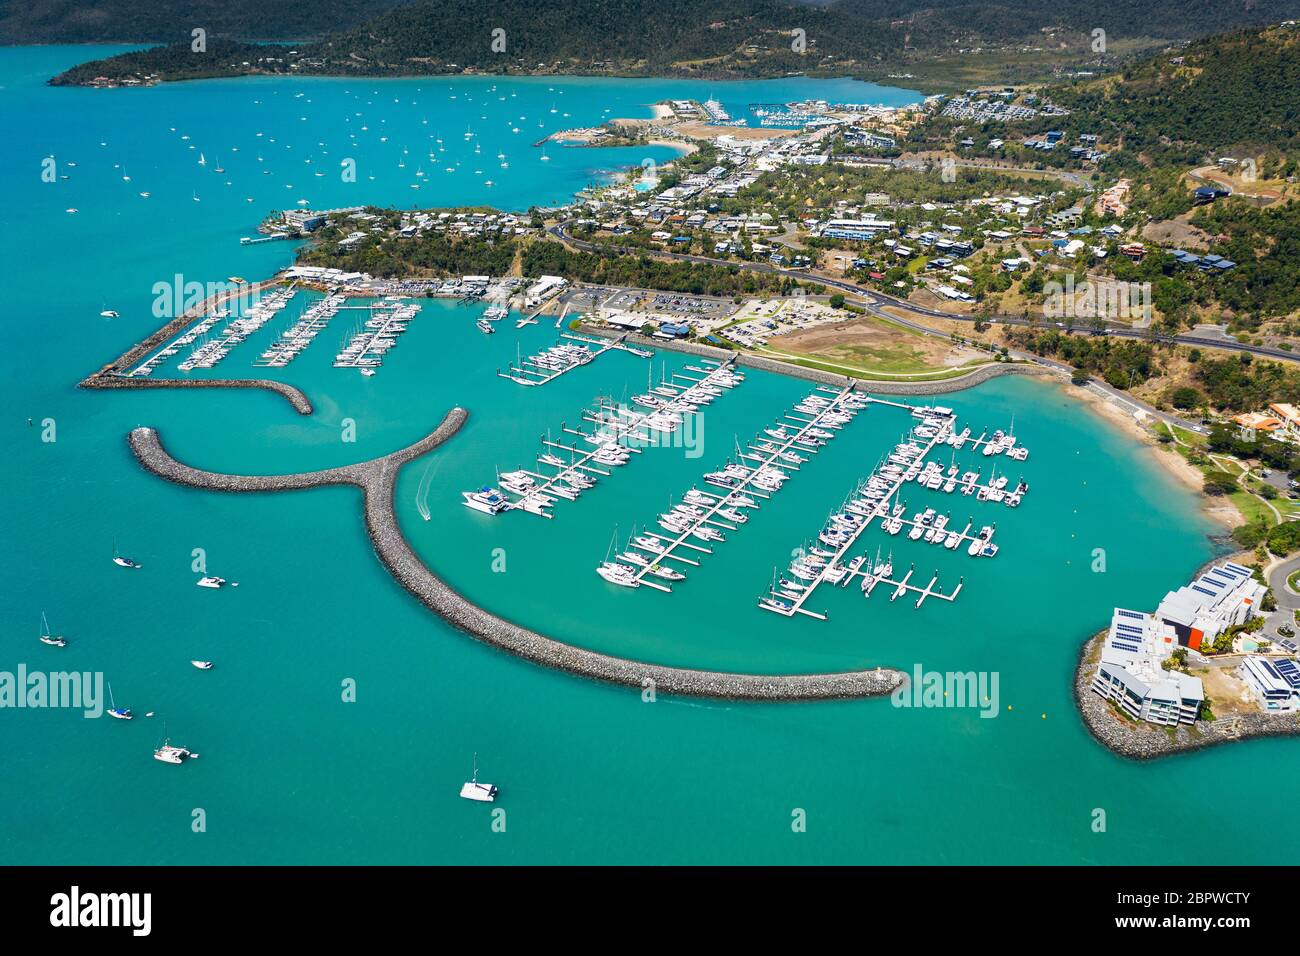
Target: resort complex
column 1134, row 670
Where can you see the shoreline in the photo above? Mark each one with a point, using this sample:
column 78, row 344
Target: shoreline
column 1170, row 462
column 377, row 479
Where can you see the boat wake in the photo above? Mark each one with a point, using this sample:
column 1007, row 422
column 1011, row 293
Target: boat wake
column 422, row 490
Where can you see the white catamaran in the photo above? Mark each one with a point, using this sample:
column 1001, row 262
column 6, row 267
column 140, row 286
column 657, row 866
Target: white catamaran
column 473, row 790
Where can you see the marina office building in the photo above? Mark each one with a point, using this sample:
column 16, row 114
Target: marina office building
column 1130, row 672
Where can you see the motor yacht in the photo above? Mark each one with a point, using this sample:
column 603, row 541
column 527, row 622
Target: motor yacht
column 488, row 500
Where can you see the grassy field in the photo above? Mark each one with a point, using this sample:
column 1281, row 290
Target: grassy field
column 1248, row 503
column 874, row 347
column 869, row 374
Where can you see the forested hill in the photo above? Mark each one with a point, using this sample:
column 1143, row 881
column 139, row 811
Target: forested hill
column 701, row 38
column 94, row 21
column 1236, row 91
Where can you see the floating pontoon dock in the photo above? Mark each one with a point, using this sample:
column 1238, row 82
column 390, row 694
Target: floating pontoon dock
column 538, row 369
column 775, row 450
column 614, row 426
column 876, row 497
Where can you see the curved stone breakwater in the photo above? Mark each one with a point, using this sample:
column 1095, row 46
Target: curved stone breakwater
column 113, row 375
column 1144, row 741
column 749, row 360
column 378, row 478
column 295, row 395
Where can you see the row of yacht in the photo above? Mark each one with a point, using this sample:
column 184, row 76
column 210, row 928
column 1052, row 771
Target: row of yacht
column 212, row 350
column 706, row 516
column 494, row 313
column 682, row 394
column 538, row 491
column 696, row 516
column 820, row 563
column 876, row 498
column 293, row 340
column 367, row 346
column 540, row 367
column 195, row 332
column 1002, row 443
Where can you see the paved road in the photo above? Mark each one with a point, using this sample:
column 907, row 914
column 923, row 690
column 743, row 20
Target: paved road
column 877, row 300
column 1277, row 581
column 874, row 302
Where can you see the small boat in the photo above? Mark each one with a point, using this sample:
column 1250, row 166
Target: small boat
column 213, row 582
column 473, row 790
column 121, row 713
column 367, row 372
column 46, row 638
column 123, row 562
column 202, row 665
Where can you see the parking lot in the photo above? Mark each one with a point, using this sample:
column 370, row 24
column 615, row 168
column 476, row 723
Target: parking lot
column 700, row 312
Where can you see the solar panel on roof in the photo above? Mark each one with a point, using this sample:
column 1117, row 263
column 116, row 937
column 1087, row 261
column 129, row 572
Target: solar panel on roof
column 1129, row 613
column 1288, row 671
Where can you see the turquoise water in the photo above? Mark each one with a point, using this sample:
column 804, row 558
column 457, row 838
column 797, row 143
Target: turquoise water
column 589, row 772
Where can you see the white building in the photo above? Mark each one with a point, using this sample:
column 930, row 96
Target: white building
column 544, row 287
column 1274, row 682
column 1219, row 599
column 1130, row 673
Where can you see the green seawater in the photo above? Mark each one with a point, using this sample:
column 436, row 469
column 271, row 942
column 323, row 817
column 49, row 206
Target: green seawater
column 290, row 772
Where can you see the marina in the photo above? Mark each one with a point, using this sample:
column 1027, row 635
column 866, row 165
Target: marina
column 551, row 363
column 210, row 351
column 366, row 349
column 291, row 342
column 613, row 439
column 534, row 724
column 751, row 478
column 876, row 499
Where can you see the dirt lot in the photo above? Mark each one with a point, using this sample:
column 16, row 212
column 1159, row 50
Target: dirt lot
column 877, row 346
column 1177, row 232
column 1227, row 692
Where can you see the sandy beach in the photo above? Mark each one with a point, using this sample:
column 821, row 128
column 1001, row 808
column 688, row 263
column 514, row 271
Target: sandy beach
column 1169, row 460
